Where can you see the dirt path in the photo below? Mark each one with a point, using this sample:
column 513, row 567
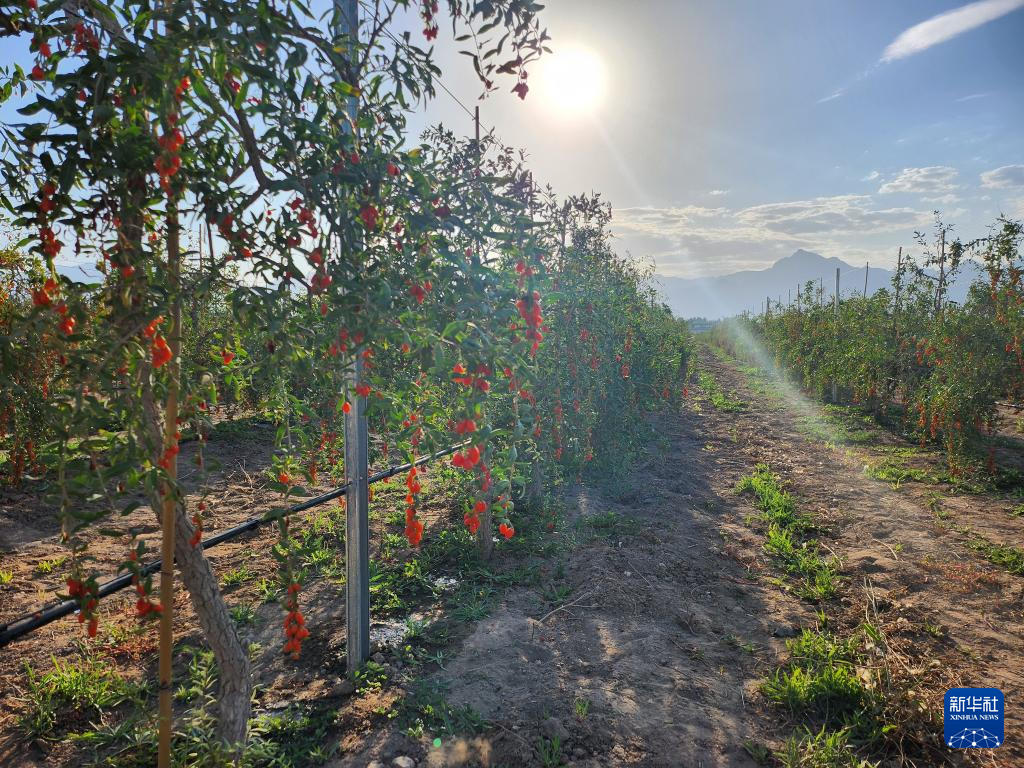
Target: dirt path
column 955, row 617
column 668, row 620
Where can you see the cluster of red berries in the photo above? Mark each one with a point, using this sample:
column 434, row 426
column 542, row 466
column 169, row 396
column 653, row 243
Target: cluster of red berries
column 467, row 460
column 159, row 351
column 85, row 592
column 370, row 215
column 43, row 297
column 197, row 524
column 294, row 623
column 413, row 525
column 168, row 162
column 428, row 10
column 144, row 606
column 170, row 452
column 305, row 216
column 529, row 310
column 477, row 380
column 419, row 291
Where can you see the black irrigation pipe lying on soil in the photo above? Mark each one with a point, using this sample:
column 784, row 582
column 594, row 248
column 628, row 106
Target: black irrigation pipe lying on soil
column 32, row 621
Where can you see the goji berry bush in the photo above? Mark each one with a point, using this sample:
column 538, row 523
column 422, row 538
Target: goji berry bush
column 943, row 367
column 267, row 233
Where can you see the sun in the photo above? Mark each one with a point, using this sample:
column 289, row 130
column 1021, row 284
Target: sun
column 572, row 80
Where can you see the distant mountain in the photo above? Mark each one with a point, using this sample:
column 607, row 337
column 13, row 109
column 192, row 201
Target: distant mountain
column 728, row 295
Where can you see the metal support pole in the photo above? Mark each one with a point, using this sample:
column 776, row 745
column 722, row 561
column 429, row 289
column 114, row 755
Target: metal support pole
column 835, row 304
column 867, row 271
column 357, row 521
column 357, row 532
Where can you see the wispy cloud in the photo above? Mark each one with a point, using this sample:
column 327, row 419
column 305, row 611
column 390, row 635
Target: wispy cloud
column 834, row 95
column 1003, row 178
column 972, row 97
column 931, row 182
column 946, row 26
column 872, row 176
column 718, row 192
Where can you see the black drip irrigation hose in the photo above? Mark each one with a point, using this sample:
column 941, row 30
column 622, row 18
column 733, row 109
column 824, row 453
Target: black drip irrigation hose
column 33, row 621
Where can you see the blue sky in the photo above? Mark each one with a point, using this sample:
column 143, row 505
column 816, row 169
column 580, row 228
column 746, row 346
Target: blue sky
column 735, row 131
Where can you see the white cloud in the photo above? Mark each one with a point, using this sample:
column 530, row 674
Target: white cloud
column 872, row 176
column 834, row 95
column 718, row 192
column 932, row 181
column 1001, row 178
column 972, row 97
column 841, row 214
column 946, row 26
column 696, row 240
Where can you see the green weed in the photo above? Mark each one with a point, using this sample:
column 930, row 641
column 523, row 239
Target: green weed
column 71, row 690
column 821, row 749
column 786, row 537
column 46, row 567
column 236, row 576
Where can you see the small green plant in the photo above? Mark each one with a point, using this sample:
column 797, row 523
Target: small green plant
column 549, row 752
column 370, row 677
column 236, row 576
column 46, row 567
column 269, row 590
column 581, row 705
column 243, row 614
column 738, row 642
column 6, row 576
column 821, row 749
column 761, row 754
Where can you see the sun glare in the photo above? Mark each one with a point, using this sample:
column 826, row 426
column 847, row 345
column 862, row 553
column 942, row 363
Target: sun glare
column 572, row 80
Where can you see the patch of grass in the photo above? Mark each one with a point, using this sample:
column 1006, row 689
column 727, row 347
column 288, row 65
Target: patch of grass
column 294, row 738
column 820, row 679
column 786, row 536
column 1018, row 511
column 236, row 576
column 6, row 576
column 1005, row 556
column 821, row 749
column 46, row 567
column 426, row 710
column 472, row 603
column 75, row 688
column 761, row 754
column 727, row 403
column 611, row 524
column 581, row 705
column 894, row 468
